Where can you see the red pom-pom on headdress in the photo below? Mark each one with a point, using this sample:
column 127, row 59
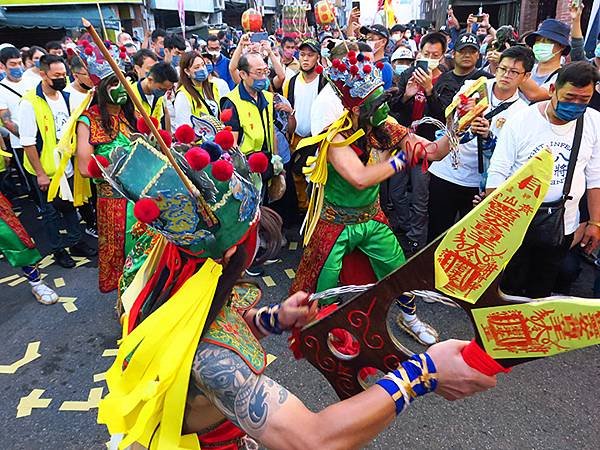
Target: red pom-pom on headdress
column 367, row 69
column 197, row 158
column 258, row 162
column 319, row 69
column 222, row 170
column 166, row 136
column 225, row 139
column 185, row 134
column 351, row 54
column 93, row 168
column 122, row 55
column 146, row 210
column 88, row 51
column 226, row 115
column 353, row 70
column 83, row 43
column 379, row 65
column 143, row 127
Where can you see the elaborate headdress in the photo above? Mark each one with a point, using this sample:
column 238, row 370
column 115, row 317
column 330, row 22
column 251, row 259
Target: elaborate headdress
column 97, row 66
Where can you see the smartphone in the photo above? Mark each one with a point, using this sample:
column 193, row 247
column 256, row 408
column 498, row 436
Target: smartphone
column 355, row 4
column 259, row 37
column 422, row 64
column 479, row 18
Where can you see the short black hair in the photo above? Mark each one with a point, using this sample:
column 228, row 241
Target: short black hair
column 47, row 60
column 286, row 40
column 139, row 56
column 53, row 45
column 158, row 33
column 212, row 38
column 9, row 53
column 76, row 63
column 173, row 41
column 33, row 50
column 579, row 74
column 434, row 38
column 244, row 64
column 520, row 53
column 162, row 71
column 220, row 35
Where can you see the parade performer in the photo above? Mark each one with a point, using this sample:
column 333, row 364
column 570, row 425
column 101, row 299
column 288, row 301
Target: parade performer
column 19, row 250
column 344, row 221
column 189, row 316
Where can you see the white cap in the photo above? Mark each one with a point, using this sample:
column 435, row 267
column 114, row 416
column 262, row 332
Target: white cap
column 5, row 45
column 402, row 53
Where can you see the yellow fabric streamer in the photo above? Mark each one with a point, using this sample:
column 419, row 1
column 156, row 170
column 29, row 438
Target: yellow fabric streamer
column 5, row 154
column 146, row 400
column 67, row 146
column 316, row 168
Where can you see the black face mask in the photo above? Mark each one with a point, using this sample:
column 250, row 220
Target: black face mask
column 85, row 86
column 58, row 84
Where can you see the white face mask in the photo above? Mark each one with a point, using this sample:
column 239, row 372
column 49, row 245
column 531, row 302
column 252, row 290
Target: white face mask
column 374, row 45
column 433, row 63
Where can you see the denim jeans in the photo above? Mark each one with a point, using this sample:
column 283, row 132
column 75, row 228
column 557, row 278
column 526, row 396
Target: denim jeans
column 55, row 215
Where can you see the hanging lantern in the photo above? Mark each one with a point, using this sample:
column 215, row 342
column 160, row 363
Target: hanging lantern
column 251, row 20
column 324, row 12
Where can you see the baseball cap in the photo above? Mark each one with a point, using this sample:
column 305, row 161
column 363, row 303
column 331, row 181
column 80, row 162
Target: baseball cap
column 555, row 30
column 377, row 29
column 466, row 40
column 402, row 53
column 311, row 44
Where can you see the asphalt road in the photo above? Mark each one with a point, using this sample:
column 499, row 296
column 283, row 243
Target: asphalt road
column 549, row 404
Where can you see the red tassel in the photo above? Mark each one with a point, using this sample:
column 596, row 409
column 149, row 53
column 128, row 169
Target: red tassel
column 479, row 360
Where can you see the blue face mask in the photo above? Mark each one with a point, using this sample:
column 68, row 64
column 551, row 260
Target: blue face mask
column 325, row 52
column 400, row 68
column 161, row 52
column 261, row 85
column 16, row 72
column 210, row 68
column 159, row 92
column 200, row 75
column 175, row 60
column 568, row 111
column 597, row 51
column 2, row 76
column 37, row 63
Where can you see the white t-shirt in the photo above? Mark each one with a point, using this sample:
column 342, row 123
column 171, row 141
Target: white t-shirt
column 76, row 97
column 28, row 126
column 325, row 110
column 527, row 132
column 31, row 79
column 304, row 97
column 467, row 173
column 222, row 86
column 10, row 101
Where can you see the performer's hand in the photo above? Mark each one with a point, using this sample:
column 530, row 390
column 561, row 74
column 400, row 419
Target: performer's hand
column 296, row 312
column 43, row 181
column 481, row 126
column 456, row 379
column 591, row 238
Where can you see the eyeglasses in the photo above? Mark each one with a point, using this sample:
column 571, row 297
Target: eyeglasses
column 260, row 72
column 511, row 73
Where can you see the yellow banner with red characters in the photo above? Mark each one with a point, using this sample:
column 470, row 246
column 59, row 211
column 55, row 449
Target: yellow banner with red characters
column 476, row 249
column 538, row 329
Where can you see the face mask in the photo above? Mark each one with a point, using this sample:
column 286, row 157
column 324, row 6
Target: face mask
column 2, row 76
column 37, row 63
column 85, row 86
column 200, row 75
column 373, row 45
column 175, row 60
column 214, row 53
column 433, row 63
column 569, row 111
column 408, row 35
column 16, row 72
column 288, row 54
column 117, row 94
column 210, row 68
column 58, row 84
column 543, row 51
column 380, row 115
column 261, row 85
column 400, row 68
column 159, row 92
column 597, row 51
column 161, row 52
column 325, row 52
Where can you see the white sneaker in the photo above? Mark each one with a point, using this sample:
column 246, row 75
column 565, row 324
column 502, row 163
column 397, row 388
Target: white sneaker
column 422, row 332
column 43, row 293
column 512, row 297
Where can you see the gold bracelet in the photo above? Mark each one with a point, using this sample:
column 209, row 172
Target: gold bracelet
column 591, row 222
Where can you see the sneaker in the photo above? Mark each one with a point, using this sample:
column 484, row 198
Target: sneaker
column 43, row 293
column 254, row 271
column 271, row 261
column 63, row 259
column 92, row 231
column 513, row 297
column 82, row 249
column 420, row 331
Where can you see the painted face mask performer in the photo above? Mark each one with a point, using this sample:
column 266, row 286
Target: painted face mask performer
column 347, row 235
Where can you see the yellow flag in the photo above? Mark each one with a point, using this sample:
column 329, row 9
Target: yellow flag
column 539, row 329
column 476, row 249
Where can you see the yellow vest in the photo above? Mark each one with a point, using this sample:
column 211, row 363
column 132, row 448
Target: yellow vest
column 253, row 123
column 47, row 130
column 158, row 111
column 198, row 108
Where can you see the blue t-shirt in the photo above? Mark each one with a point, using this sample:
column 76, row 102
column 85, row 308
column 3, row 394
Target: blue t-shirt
column 387, row 74
column 222, row 69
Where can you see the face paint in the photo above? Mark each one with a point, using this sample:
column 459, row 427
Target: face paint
column 380, row 115
column 117, row 94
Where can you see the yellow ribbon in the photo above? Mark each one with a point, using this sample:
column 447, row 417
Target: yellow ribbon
column 316, row 167
column 67, row 146
column 5, row 154
column 146, row 400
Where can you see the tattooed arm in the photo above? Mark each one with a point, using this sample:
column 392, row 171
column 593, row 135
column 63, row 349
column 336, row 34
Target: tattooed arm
column 270, row 413
column 9, row 124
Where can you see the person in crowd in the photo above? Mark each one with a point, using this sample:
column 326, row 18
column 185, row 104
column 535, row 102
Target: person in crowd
column 213, row 76
column 152, row 89
column 452, row 188
column 289, row 48
column 32, row 75
column 549, row 43
column 401, row 59
column 43, row 114
column 174, row 47
column 196, row 94
column 80, row 87
column 532, row 271
column 55, row 48
column 124, row 39
column 301, row 90
column 276, row 76
column 378, row 37
column 220, row 61
column 156, row 42
column 143, row 60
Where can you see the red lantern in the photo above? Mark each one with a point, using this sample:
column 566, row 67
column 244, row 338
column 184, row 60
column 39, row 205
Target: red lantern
column 251, row 20
column 324, row 12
